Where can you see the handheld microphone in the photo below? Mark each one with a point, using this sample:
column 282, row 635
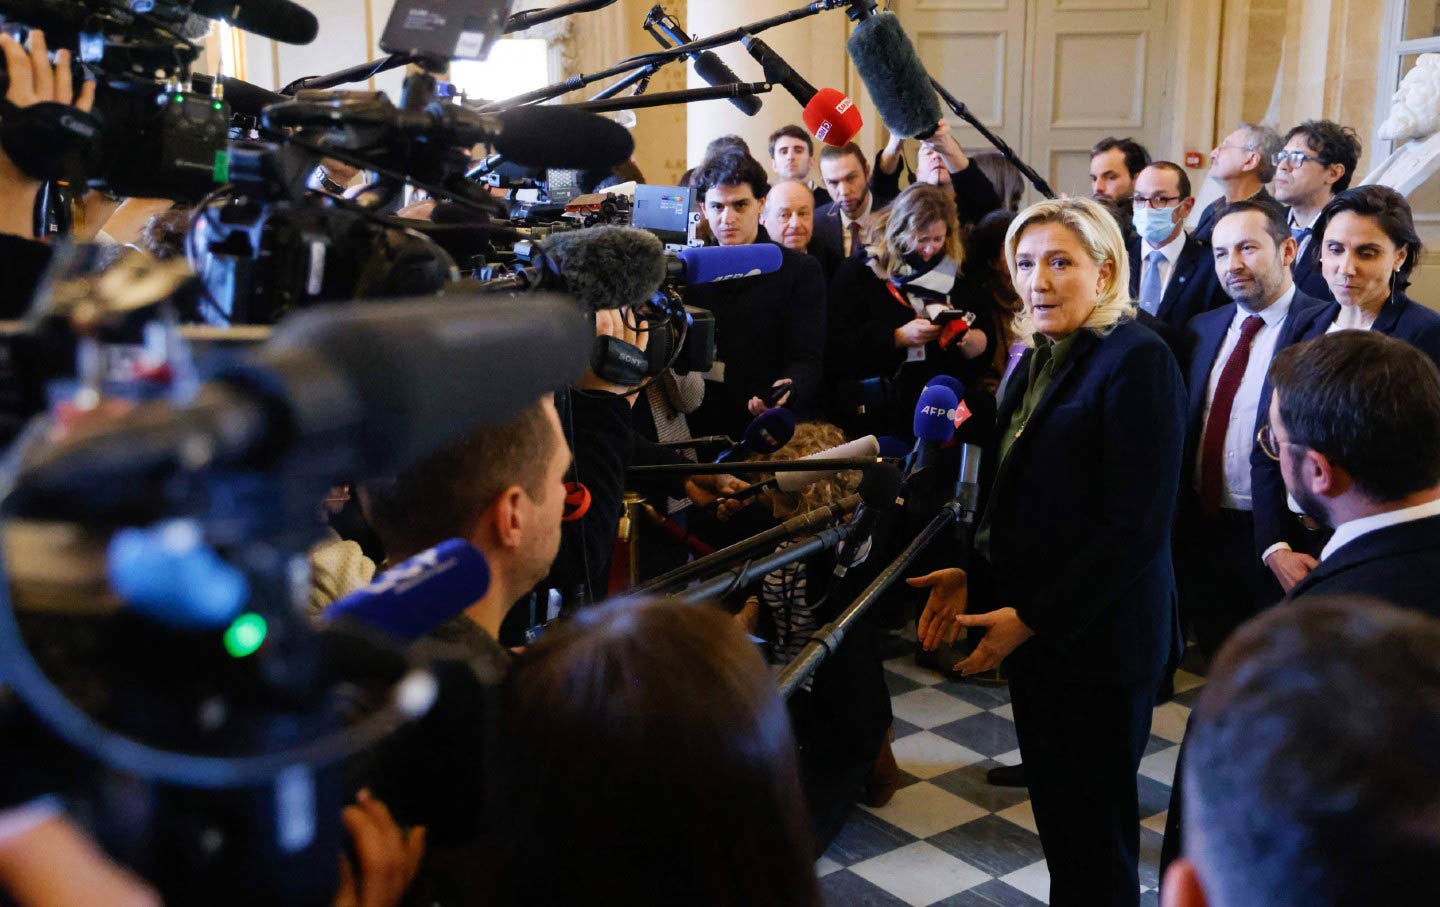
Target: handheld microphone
column 967, row 486
column 894, row 76
column 278, row 20
column 934, row 424
column 766, row 433
column 707, row 264
column 879, row 493
column 829, row 115
column 414, row 597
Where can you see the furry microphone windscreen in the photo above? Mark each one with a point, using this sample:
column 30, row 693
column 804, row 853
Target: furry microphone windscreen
column 608, row 267
column 894, row 76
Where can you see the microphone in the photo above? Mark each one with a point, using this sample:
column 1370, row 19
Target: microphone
column 605, row 267
column 713, row 70
column 414, row 597
column 934, row 425
column 697, row 265
column 967, row 486
column 531, row 17
column 766, row 433
column 867, row 446
column 893, row 74
column 830, row 116
column 278, row 20
column 708, row 65
column 537, row 136
column 315, row 395
column 879, row 493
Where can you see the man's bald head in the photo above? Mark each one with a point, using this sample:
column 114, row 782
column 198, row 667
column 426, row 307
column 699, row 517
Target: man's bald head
column 789, row 215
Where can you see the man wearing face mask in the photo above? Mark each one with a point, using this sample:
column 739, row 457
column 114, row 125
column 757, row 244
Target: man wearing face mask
column 1370, row 472
column 1172, row 274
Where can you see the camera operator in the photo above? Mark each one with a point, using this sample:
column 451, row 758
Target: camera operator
column 33, row 80
column 769, row 329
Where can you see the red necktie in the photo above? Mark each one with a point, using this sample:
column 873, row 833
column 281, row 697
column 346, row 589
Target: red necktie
column 1212, row 444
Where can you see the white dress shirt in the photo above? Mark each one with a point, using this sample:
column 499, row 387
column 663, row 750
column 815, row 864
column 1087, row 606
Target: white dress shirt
column 1240, row 433
column 846, row 220
column 1353, row 318
column 1170, row 250
column 1349, row 532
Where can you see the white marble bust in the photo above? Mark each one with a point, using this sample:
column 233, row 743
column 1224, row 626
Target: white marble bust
column 1414, row 122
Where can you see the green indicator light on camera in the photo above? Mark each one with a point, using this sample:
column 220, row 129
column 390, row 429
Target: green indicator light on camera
column 246, row 635
column 221, row 172
column 179, row 99
column 217, row 105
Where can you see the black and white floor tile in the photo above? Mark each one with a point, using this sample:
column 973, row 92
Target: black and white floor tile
column 949, row 839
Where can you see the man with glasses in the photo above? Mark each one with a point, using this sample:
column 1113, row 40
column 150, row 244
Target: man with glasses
column 1172, row 274
column 1223, row 578
column 1242, row 165
column 1372, row 472
column 1317, row 164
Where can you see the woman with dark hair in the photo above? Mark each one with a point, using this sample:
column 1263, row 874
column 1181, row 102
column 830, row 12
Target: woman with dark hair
column 646, row 761
column 896, row 315
column 1368, row 248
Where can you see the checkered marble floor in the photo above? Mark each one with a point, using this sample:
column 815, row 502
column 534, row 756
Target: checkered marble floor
column 948, row 838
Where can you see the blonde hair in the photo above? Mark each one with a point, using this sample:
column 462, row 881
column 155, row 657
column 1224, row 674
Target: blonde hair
column 1100, row 235
column 913, row 210
column 810, row 438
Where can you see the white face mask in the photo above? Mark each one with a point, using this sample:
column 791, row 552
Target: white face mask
column 1154, row 226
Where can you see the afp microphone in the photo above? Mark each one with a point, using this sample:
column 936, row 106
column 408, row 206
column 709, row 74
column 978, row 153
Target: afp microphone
column 934, row 425
column 695, row 265
column 830, row 116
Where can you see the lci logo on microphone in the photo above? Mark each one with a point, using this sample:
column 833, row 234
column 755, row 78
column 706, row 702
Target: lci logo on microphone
column 823, row 129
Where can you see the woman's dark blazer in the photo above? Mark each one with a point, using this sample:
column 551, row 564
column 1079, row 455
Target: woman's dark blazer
column 1081, row 510
column 1401, row 318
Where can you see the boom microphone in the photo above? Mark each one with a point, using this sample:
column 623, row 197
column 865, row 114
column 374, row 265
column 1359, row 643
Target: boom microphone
column 243, row 97
column 713, row 70
column 695, row 265
column 893, row 74
column 830, row 116
column 278, row 20
column 418, row 595
column 867, row 446
column 708, row 64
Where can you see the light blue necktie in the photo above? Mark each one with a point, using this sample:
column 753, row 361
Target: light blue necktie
column 1299, row 233
column 1150, row 282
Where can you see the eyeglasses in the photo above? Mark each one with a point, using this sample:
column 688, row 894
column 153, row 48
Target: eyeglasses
column 1223, row 145
column 1270, row 444
column 1296, row 159
column 1154, row 202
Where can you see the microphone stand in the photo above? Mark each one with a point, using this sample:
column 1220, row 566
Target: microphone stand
column 757, row 466
column 963, row 112
column 726, row 583
column 829, row 637
column 684, row 96
column 796, row 525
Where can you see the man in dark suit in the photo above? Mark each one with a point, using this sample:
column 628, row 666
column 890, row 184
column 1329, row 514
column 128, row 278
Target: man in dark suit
column 1242, row 164
column 1172, row 274
column 839, row 225
column 791, row 149
column 1223, row 578
column 1372, row 471
column 1317, row 164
